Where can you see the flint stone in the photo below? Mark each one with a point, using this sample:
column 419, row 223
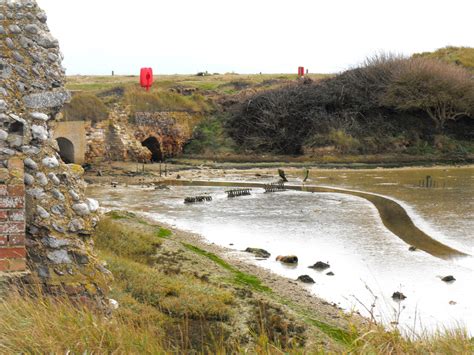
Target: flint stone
column 7, row 151
column 42, row 179
column 54, row 179
column 29, row 179
column 32, row 28
column 46, row 40
column 74, row 195
column 51, row 162
column 10, row 43
column 55, row 243
column 15, row 29
column 58, row 195
column 3, row 135
column 31, row 164
column 39, row 132
column 76, row 225
column 39, row 116
column 42, row 212
column 82, row 209
column 42, row 17
column 27, row 149
column 18, row 57
column 48, row 99
column 59, row 257
column 92, row 204
column 58, row 210
column 38, row 193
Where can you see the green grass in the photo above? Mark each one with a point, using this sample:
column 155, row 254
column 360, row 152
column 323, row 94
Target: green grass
column 164, row 233
column 239, row 276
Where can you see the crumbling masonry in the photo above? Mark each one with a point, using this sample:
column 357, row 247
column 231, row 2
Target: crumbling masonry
column 45, row 220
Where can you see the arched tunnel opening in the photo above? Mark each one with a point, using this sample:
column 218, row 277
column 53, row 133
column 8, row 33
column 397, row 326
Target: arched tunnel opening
column 154, row 147
column 66, row 150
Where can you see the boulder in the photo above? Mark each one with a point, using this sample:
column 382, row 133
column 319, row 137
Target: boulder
column 449, row 278
column 398, row 296
column 306, row 279
column 259, row 253
column 289, row 259
column 320, row 266
column 330, row 273
column 412, row 248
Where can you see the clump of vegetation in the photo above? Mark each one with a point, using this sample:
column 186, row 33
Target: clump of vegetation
column 463, row 56
column 156, row 101
column 209, row 137
column 389, row 103
column 125, row 241
column 85, row 107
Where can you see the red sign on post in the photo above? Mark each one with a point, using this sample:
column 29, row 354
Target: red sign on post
column 146, row 78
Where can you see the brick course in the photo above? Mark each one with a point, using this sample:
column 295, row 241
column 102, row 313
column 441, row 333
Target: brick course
column 12, row 218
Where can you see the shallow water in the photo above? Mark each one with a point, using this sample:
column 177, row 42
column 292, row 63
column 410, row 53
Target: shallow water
column 345, row 231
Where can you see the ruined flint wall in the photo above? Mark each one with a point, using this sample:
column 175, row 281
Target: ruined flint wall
column 59, row 219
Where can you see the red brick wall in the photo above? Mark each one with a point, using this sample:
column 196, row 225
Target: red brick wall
column 12, row 217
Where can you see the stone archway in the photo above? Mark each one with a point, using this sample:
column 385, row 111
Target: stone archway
column 66, row 150
column 75, row 133
column 154, row 147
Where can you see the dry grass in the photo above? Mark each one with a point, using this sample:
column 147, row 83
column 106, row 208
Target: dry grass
column 377, row 340
column 45, row 325
column 85, row 107
column 157, row 100
column 124, row 241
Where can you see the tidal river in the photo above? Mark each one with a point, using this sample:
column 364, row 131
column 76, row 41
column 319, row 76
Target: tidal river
column 368, row 260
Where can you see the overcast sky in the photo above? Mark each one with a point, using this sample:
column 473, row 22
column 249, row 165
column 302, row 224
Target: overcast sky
column 249, row 36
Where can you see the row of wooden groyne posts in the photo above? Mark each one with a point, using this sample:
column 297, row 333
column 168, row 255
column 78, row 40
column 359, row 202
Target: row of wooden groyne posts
column 274, row 187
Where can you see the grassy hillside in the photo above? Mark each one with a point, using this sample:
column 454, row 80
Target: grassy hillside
column 463, row 56
column 220, row 83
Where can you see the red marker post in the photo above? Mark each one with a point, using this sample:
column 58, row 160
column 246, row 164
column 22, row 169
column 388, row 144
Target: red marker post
column 146, row 78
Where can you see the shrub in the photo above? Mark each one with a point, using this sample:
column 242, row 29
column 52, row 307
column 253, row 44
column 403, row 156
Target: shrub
column 443, row 91
column 209, row 137
column 85, row 107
